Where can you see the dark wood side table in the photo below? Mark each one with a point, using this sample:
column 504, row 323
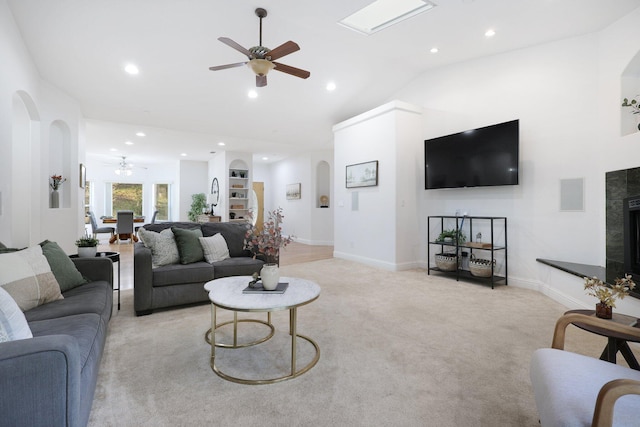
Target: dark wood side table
column 616, row 341
column 115, row 258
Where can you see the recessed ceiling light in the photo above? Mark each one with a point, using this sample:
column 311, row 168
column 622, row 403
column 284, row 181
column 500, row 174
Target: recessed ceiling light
column 384, row 13
column 331, row 86
column 265, row 158
column 252, row 94
column 434, row 50
column 128, row 143
column 183, row 154
column 490, row 33
column 222, row 144
column 113, row 149
column 131, row 69
column 140, row 134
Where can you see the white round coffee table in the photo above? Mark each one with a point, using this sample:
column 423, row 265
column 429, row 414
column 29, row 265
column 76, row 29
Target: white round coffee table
column 226, row 293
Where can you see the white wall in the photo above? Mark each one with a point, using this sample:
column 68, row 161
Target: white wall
column 193, row 178
column 303, row 219
column 25, row 218
column 377, row 225
column 567, row 97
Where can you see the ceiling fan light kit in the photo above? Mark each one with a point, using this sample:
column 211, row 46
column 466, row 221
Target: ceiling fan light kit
column 261, row 59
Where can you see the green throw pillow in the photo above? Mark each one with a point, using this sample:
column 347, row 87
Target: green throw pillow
column 63, row 268
column 189, row 246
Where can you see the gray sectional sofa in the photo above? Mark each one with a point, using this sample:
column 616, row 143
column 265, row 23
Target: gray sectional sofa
column 50, row 379
column 178, row 284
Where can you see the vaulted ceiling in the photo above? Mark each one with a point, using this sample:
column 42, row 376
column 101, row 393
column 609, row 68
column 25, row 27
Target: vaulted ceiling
column 82, row 46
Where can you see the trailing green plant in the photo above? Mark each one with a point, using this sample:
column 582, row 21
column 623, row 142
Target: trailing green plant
column 198, row 203
column 87, row 242
column 455, row 235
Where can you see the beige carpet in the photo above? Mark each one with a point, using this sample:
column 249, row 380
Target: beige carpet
column 397, row 349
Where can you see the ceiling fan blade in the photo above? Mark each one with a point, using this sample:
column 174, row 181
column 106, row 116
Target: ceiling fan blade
column 236, row 46
column 303, row 74
column 224, row 67
column 282, row 50
column 261, row 81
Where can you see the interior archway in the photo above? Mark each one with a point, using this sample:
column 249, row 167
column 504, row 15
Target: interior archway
column 24, row 171
column 630, row 89
column 323, row 184
column 59, row 159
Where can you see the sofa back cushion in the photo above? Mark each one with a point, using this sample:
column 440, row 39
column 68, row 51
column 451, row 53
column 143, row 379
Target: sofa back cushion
column 233, row 233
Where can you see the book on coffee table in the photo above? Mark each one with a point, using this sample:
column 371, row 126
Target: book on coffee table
column 282, row 286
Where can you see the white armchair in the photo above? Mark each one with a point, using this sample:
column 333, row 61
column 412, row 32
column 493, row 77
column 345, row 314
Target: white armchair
column 575, row 390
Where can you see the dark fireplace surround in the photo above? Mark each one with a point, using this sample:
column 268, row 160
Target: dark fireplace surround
column 623, row 225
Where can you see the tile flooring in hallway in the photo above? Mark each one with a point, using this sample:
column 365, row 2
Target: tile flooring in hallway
column 294, row 253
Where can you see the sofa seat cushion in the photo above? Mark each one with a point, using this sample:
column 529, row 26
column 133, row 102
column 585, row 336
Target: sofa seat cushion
column 566, row 386
column 94, row 297
column 178, row 274
column 237, row 266
column 87, row 329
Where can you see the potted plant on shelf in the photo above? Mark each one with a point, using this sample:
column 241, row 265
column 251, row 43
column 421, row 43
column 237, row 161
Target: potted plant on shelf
column 267, row 242
column 606, row 294
column 87, row 246
column 452, row 236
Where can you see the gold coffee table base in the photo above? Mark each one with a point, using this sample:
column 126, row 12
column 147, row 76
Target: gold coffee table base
column 292, row 331
column 235, row 321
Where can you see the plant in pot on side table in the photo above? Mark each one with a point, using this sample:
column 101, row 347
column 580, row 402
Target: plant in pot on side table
column 268, row 242
column 87, row 246
column 608, row 294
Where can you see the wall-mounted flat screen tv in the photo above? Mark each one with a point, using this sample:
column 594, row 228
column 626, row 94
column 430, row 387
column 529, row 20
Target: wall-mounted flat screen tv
column 480, row 157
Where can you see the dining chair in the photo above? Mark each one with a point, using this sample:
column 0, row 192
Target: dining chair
column 124, row 226
column 95, row 230
column 153, row 221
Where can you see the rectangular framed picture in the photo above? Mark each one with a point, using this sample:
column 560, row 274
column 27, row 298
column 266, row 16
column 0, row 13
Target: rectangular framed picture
column 362, row 174
column 83, row 175
column 293, row 191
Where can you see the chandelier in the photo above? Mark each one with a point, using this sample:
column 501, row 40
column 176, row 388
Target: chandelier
column 124, row 168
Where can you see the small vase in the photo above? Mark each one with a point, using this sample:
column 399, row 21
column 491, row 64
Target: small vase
column 603, row 311
column 270, row 274
column 55, row 199
column 87, row 251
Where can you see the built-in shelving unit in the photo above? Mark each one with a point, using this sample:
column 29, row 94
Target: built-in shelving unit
column 493, row 244
column 238, row 194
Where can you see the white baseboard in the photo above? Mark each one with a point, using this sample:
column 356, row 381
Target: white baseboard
column 314, row 242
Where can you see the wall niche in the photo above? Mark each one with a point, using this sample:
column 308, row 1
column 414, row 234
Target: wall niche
column 630, row 89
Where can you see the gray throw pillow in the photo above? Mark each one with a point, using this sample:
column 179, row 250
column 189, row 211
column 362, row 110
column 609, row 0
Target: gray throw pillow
column 164, row 250
column 62, row 267
column 188, row 242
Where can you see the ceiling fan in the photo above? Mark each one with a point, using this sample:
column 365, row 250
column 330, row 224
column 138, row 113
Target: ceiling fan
column 262, row 59
column 125, row 168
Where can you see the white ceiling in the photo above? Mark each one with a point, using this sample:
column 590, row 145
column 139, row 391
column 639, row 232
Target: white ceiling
column 82, row 46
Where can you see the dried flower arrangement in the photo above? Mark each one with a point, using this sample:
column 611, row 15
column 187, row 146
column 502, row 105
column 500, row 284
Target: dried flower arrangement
column 608, row 294
column 269, row 240
column 56, row 181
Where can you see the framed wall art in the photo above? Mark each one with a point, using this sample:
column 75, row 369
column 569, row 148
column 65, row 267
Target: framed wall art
column 293, row 191
column 362, row 174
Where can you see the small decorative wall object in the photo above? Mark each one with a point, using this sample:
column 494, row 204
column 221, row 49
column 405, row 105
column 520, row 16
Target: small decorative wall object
column 362, row 174
column 83, row 175
column 293, row 191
